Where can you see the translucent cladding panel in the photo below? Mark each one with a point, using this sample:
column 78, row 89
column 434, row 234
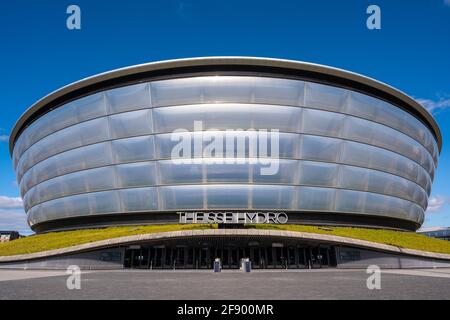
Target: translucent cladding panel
column 403, row 166
column 413, row 127
column 429, row 141
column 423, row 180
column 391, row 115
column 227, row 116
column 136, row 175
column 103, row 202
column 227, row 89
column 321, row 148
column 38, row 214
column 316, row 199
column 90, row 107
column 275, row 171
column 407, row 123
column 417, row 130
column 130, row 124
column 78, row 182
column 431, row 171
column 399, row 208
column 289, row 145
column 80, row 205
column 228, row 196
column 396, row 141
column 432, row 146
column 420, row 197
column 416, row 214
column 52, row 121
column 179, row 91
column 379, row 182
column 427, row 164
column 354, row 178
column 376, row 158
column 15, row 155
column 25, row 163
column 278, row 91
column 133, row 149
column 421, row 217
column 50, row 189
column 435, row 152
column 128, row 98
column 34, row 215
column 350, row 201
column 325, row 97
column 27, row 182
column 19, row 148
column 83, row 109
column 60, row 208
column 318, row 174
column 138, row 199
column 173, row 172
column 21, row 142
column 182, row 197
column 88, row 180
column 273, row 197
column 371, row 203
column 428, row 187
column 377, row 204
column 73, row 137
column 92, row 156
column 38, row 130
column 359, row 130
column 362, row 105
column 391, row 185
column 322, row 122
column 31, row 198
column 89, row 132
column 167, row 143
column 223, row 171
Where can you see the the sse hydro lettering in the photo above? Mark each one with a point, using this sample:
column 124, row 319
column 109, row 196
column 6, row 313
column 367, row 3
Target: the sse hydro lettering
column 141, row 144
column 234, row 217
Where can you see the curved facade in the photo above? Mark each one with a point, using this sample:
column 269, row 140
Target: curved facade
column 350, row 150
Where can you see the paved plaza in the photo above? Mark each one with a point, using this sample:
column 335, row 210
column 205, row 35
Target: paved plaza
column 228, row 285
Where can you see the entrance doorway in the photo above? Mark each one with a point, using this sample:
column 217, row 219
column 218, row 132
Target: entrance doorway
column 263, row 254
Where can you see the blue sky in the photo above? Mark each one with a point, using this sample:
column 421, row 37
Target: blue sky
column 39, row 54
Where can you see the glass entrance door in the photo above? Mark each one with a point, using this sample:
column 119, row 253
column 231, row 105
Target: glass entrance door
column 291, row 257
column 203, row 260
column 180, row 257
column 158, row 260
column 255, row 257
column 268, row 256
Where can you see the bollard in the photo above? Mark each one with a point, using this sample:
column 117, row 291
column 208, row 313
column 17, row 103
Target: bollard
column 246, row 265
column 217, row 266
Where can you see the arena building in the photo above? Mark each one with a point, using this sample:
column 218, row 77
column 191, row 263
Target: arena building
column 230, row 141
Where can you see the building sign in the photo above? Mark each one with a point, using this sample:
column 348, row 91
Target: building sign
column 233, row 217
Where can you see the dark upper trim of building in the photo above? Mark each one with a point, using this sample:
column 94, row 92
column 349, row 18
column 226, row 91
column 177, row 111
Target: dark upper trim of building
column 219, row 65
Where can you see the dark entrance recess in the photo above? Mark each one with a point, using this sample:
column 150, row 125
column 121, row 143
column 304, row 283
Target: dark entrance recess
column 200, row 254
